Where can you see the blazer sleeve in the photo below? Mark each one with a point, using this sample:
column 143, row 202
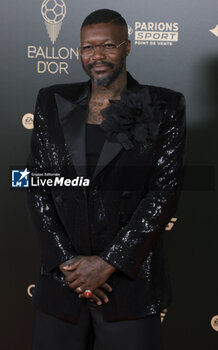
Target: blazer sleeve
column 134, row 241
column 54, row 244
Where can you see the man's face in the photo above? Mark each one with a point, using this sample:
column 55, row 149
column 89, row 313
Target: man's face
column 103, row 68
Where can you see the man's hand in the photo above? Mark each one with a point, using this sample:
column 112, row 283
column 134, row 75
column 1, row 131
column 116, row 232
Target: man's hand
column 69, row 263
column 89, row 272
column 98, row 295
column 90, row 264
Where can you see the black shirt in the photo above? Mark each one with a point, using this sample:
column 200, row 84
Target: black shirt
column 95, row 138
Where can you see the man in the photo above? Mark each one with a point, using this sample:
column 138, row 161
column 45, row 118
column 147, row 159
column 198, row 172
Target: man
column 103, row 273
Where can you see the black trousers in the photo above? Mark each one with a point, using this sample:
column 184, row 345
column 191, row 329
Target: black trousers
column 51, row 333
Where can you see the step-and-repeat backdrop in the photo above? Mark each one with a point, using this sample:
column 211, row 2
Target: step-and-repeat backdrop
column 174, row 45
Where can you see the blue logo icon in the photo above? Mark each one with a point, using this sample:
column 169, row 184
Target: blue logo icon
column 20, row 178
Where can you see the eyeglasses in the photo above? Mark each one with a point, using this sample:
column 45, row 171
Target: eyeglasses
column 89, row 50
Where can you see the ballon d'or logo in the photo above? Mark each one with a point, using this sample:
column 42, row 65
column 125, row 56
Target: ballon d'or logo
column 53, row 12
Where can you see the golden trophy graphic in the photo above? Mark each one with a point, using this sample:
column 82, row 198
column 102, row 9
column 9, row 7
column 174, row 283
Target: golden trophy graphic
column 53, row 12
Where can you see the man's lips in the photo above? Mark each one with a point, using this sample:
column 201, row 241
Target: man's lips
column 100, row 67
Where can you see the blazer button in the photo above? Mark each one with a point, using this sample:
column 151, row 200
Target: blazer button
column 126, row 194
column 94, row 192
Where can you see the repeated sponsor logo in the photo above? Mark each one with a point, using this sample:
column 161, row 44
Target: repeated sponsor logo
column 163, row 315
column 170, row 224
column 51, row 59
column 130, row 30
column 30, row 290
column 155, row 33
column 53, row 12
column 27, row 121
column 214, row 323
column 214, row 30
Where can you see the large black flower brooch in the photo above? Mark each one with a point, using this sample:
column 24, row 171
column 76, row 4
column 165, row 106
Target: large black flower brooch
column 134, row 118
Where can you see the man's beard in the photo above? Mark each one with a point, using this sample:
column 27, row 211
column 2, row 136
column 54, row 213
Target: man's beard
column 111, row 77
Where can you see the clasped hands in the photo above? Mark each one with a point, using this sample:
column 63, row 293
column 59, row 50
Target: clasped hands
column 88, row 272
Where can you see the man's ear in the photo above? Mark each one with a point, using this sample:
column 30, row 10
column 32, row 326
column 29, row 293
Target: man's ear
column 128, row 47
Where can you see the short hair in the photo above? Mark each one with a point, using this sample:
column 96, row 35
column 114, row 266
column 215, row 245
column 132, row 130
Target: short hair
column 104, row 16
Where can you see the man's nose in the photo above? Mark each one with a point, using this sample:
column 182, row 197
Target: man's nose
column 98, row 53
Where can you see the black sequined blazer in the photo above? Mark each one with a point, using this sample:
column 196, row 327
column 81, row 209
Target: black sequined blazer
column 133, row 195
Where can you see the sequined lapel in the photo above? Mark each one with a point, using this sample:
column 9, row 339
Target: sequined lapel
column 72, row 118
